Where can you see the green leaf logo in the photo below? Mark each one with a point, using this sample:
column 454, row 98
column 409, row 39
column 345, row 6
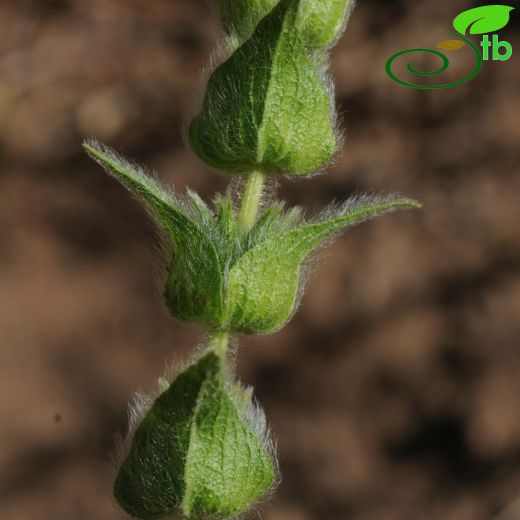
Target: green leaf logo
column 483, row 20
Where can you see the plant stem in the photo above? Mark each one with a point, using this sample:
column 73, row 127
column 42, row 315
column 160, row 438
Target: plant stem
column 251, row 199
column 220, row 342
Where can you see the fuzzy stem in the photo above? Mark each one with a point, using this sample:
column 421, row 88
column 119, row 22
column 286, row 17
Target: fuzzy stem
column 220, row 342
column 251, row 199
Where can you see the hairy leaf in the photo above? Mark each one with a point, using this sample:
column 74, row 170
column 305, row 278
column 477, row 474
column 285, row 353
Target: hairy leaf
column 195, row 278
column 264, row 285
column 483, row 20
column 195, row 451
column 272, row 221
column 267, row 108
column 240, row 19
column 322, row 22
column 147, row 190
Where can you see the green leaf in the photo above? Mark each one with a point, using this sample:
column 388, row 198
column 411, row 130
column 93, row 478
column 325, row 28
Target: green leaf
column 194, row 286
column 322, row 22
column 483, row 20
column 264, row 285
column 226, row 235
column 240, row 19
column 196, row 451
column 226, row 220
column 272, row 221
column 145, row 189
column 267, row 108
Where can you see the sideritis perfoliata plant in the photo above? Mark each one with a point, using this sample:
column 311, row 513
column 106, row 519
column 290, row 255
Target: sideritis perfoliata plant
column 201, row 449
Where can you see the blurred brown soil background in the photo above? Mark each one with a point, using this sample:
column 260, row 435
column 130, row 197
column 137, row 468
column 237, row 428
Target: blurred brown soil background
column 394, row 393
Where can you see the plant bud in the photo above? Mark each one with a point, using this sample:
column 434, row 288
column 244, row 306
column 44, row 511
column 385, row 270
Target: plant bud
column 200, row 450
column 268, row 107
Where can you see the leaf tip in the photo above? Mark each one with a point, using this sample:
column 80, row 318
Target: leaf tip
column 90, row 144
column 409, row 204
column 94, row 149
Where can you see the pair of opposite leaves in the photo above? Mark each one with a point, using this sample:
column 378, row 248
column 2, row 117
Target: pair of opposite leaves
column 201, row 449
column 221, row 277
column 269, row 106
